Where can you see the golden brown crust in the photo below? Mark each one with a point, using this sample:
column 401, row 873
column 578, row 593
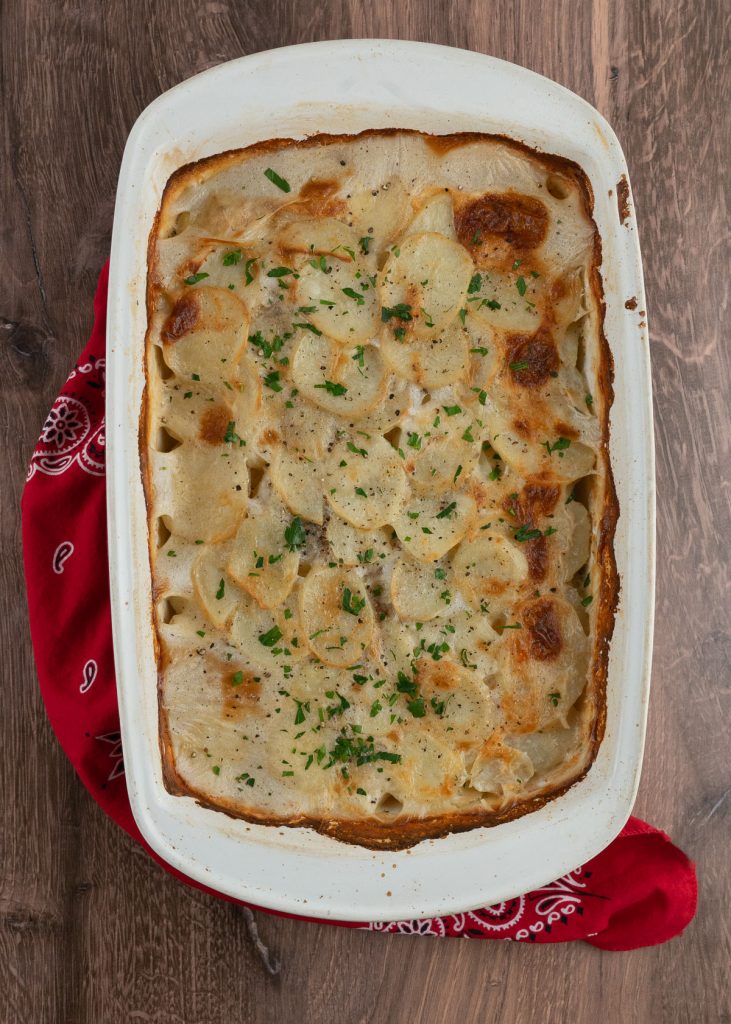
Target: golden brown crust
column 503, row 219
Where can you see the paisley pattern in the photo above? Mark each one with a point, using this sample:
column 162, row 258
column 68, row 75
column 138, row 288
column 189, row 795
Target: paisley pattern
column 74, row 429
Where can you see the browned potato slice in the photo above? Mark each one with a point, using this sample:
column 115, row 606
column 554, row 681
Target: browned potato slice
column 428, row 274
column 205, row 335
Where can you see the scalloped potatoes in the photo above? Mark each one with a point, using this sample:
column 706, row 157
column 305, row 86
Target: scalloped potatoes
column 379, row 493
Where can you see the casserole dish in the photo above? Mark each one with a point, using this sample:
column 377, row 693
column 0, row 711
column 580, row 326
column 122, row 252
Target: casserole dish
column 378, row 84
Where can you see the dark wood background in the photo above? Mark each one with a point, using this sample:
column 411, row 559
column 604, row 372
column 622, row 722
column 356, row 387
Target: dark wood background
column 90, row 929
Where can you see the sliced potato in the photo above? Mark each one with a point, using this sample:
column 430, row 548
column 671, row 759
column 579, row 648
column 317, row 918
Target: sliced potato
column 206, row 495
column 508, row 302
column 366, row 490
column 261, row 560
column 298, row 482
column 336, row 615
column 430, row 525
column 322, row 236
column 215, row 592
column 306, row 429
column 572, row 539
column 258, row 637
column 543, row 665
column 417, row 589
column 187, row 414
column 346, row 382
column 471, row 639
column 205, row 335
column 488, row 566
column 500, row 768
column 287, row 618
column 444, row 461
column 531, row 457
column 357, row 547
column 429, row 362
column 340, row 298
column 437, row 214
column 381, row 216
column 388, row 412
column 429, row 276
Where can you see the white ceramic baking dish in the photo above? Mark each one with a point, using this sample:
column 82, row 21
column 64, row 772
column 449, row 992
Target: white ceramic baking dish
column 345, row 87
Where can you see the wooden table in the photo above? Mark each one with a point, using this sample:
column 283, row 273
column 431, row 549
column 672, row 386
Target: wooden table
column 90, row 929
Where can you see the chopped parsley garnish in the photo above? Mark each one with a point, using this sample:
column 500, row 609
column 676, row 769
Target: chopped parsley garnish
column 271, row 381
column 360, row 750
column 276, row 180
column 332, row 389
column 237, row 678
column 376, row 708
column 440, row 574
column 589, row 401
column 280, row 272
column 523, row 365
column 464, row 658
column 475, row 284
column 447, row 512
column 266, row 348
column 352, row 603
column 305, row 326
column 172, row 554
column 467, row 436
column 587, row 601
column 232, row 258
column 353, row 294
column 481, row 351
column 231, row 436
column 364, row 244
column 521, row 286
column 195, row 278
column 247, row 270
column 496, row 472
column 462, row 315
column 406, row 685
column 359, row 356
column 270, row 638
column 457, row 472
column 492, row 304
column 524, row 533
column 417, row 707
column 303, row 707
column 216, row 769
column 413, row 441
column 294, row 535
column 364, row 557
column 402, row 311
column 221, row 590
column 558, row 446
column 356, row 451
column 554, row 698
column 360, row 492
column 452, row 410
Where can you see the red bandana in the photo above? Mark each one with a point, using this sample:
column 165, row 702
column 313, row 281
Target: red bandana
column 640, row 891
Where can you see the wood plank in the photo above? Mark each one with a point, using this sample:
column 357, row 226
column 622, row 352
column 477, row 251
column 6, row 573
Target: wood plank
column 90, row 929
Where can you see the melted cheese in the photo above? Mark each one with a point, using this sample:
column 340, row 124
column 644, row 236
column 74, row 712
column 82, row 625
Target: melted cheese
column 375, row 476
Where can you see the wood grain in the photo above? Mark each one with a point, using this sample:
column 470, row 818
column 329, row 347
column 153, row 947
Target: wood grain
column 90, row 929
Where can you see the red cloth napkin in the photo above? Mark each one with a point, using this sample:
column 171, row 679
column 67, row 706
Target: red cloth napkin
column 640, row 891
